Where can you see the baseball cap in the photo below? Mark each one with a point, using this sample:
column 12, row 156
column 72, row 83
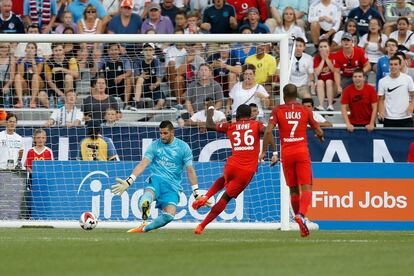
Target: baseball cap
column 154, row 6
column 347, row 36
column 253, row 9
column 148, row 45
column 127, row 4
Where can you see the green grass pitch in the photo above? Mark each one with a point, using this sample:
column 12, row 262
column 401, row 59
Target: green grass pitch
column 216, row 252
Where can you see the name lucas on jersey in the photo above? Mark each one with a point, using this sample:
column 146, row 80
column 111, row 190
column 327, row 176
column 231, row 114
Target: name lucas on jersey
column 293, row 115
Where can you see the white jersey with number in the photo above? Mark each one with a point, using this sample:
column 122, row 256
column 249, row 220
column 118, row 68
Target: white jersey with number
column 396, row 92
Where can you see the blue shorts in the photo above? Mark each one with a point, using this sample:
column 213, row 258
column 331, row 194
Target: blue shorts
column 165, row 194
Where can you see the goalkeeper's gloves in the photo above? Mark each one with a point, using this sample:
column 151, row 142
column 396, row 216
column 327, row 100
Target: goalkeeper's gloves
column 122, row 185
column 198, row 196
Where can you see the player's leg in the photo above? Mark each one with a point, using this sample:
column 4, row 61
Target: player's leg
column 304, row 174
column 291, row 181
column 145, row 201
column 217, row 186
column 295, row 199
column 214, row 212
column 166, row 216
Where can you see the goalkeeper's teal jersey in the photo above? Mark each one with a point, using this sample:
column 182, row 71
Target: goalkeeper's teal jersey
column 168, row 161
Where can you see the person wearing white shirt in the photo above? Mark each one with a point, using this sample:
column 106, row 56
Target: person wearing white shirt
column 43, row 49
column 403, row 35
column 308, row 102
column 68, row 115
column 396, row 97
column 11, row 145
column 373, row 43
column 325, row 19
column 301, row 73
column 199, row 118
column 246, row 92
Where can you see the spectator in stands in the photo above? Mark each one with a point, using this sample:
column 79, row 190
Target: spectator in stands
column 118, row 73
column 383, row 66
column 11, row 145
column 301, row 73
column 219, row 18
column 148, row 78
column 180, row 20
column 193, row 19
column 325, row 19
column 112, row 7
column 68, row 115
column 183, row 68
column 199, row 118
column 361, row 100
column 393, row 11
column 403, row 35
column 87, row 70
column 7, row 71
column 60, row 74
column 158, row 53
column 96, row 147
column 125, row 22
column 253, row 21
column 90, row 24
column 226, row 68
column 411, row 153
column 246, row 92
column 95, row 105
column 265, row 66
column 363, row 14
column 40, row 12
column 161, row 24
column 254, row 109
column 111, row 118
column 70, row 48
column 373, row 43
column 288, row 26
column 169, row 9
column 346, row 6
column 10, row 23
column 18, row 7
column 61, row 7
column 67, row 21
column 346, row 60
column 242, row 7
column 242, row 50
column 277, row 8
column 308, row 102
column 29, row 69
column 77, row 9
column 396, row 97
column 349, row 27
column 39, row 151
column 201, row 88
column 200, row 5
column 44, row 50
column 324, row 71
column 3, row 116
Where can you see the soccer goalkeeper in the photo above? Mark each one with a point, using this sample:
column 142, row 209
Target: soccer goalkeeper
column 167, row 157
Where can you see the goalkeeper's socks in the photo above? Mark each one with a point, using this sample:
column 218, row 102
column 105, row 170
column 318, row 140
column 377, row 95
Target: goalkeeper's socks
column 295, row 200
column 215, row 211
column 146, row 196
column 305, row 200
column 217, row 186
column 160, row 221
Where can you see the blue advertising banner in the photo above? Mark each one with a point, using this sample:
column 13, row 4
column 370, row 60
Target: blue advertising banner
column 382, row 145
column 62, row 190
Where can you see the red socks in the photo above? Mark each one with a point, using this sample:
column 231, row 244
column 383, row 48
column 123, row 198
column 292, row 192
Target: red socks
column 294, row 200
column 305, row 201
column 217, row 186
column 215, row 211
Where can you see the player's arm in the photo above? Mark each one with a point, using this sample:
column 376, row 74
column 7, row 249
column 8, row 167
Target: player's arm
column 210, row 125
column 122, row 185
column 268, row 138
column 192, row 178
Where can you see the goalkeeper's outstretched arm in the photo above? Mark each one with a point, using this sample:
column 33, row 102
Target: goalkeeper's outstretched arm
column 122, row 185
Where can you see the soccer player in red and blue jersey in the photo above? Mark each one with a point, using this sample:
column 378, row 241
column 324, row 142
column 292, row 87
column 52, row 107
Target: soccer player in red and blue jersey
column 292, row 120
column 244, row 135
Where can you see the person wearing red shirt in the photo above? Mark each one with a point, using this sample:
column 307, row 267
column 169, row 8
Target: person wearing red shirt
column 241, row 7
column 244, row 135
column 292, row 120
column 17, row 7
column 346, row 60
column 39, row 151
column 361, row 100
column 411, row 153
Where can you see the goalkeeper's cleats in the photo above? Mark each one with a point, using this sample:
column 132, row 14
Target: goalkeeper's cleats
column 145, row 210
column 200, row 202
column 139, row 229
column 199, row 230
column 304, row 231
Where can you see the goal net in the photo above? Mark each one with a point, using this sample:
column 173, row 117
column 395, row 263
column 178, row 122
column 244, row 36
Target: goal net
column 123, row 86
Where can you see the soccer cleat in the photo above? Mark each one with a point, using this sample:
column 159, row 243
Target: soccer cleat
column 304, row 231
column 200, row 202
column 199, row 230
column 145, row 210
column 139, row 229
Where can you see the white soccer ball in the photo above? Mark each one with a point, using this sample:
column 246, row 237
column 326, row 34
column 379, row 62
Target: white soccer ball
column 88, row 221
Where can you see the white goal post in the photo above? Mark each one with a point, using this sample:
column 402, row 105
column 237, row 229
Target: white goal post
column 282, row 39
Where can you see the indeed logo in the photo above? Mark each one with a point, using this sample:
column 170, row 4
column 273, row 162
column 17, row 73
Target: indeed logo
column 129, row 201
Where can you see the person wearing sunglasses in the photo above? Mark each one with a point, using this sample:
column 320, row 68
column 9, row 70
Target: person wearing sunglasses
column 301, row 73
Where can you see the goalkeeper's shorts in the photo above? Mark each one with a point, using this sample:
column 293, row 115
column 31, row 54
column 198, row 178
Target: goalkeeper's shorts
column 165, row 194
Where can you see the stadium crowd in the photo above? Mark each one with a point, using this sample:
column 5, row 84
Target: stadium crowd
column 336, row 43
